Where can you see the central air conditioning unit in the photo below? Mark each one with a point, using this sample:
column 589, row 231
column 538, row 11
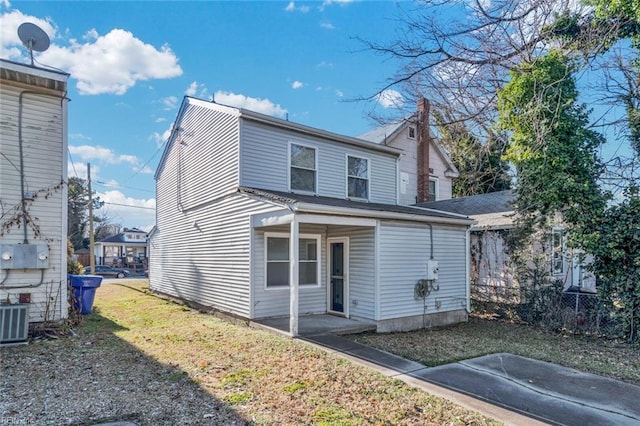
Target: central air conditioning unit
column 14, row 323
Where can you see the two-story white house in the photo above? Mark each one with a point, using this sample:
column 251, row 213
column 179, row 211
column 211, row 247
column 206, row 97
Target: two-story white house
column 33, row 197
column 128, row 247
column 261, row 217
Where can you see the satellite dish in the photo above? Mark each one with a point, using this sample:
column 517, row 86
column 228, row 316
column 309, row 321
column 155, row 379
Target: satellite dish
column 34, row 38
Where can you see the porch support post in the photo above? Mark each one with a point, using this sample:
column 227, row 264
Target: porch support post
column 293, row 277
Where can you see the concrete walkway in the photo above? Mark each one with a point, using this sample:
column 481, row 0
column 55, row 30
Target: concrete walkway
column 509, row 388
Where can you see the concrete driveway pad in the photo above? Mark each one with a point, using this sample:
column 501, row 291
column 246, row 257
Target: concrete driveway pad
column 549, row 392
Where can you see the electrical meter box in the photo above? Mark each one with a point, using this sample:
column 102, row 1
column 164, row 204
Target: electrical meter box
column 24, row 256
column 432, row 270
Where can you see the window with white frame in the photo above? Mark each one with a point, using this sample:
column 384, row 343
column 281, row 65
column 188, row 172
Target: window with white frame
column 412, row 132
column 433, row 189
column 357, row 177
column 557, row 252
column 277, row 260
column 303, row 168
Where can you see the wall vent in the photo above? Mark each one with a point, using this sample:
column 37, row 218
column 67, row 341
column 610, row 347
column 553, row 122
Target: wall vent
column 14, row 323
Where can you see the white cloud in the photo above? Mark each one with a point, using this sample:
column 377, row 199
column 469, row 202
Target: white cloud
column 80, row 170
column 390, row 98
column 128, row 211
column 110, row 63
column 106, row 155
column 327, row 3
column 291, row 7
column 170, row 102
column 327, row 25
column 161, row 138
column 264, row 106
column 324, row 64
column 297, row 85
column 197, row 89
column 339, row 93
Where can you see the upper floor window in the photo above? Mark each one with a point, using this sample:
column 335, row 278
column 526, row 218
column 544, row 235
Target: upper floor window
column 412, row 132
column 433, row 189
column 303, row 168
column 357, row 177
column 557, row 252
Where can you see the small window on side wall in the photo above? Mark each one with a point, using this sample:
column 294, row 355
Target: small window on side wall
column 412, row 132
column 357, row 177
column 433, row 189
column 557, row 252
column 303, row 168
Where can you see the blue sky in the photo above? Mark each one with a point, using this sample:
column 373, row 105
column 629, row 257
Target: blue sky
column 132, row 62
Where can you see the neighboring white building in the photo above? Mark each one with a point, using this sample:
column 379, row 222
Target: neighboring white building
column 405, row 135
column 262, row 217
column 33, row 191
column 491, row 266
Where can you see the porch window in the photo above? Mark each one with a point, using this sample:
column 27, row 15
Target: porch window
column 277, row 260
column 111, row 251
column 557, row 252
column 303, row 168
column 357, row 177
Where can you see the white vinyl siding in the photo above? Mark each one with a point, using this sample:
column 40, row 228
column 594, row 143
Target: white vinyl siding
column 44, row 135
column 264, row 163
column 204, row 256
column 404, row 252
column 210, row 139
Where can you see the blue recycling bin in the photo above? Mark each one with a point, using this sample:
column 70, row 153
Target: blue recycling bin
column 84, row 291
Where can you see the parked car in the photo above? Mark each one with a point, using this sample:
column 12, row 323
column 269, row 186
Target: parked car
column 108, row 271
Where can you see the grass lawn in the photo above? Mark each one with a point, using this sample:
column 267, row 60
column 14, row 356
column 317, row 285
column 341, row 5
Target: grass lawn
column 266, row 378
column 482, row 336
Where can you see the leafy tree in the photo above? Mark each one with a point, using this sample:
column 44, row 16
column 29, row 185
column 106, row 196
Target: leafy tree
column 554, row 152
column 77, row 211
column 617, row 261
column 481, row 166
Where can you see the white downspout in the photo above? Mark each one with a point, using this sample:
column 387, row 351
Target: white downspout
column 293, row 277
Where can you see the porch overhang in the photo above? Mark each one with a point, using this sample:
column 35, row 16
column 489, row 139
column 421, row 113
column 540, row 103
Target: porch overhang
column 285, row 217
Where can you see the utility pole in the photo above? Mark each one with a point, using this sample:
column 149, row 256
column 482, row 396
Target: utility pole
column 92, row 260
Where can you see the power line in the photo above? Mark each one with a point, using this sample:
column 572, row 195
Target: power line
column 128, row 205
column 122, row 186
column 141, row 168
column 72, row 164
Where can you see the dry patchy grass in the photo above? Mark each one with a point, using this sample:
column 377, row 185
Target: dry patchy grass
column 249, row 375
column 483, row 336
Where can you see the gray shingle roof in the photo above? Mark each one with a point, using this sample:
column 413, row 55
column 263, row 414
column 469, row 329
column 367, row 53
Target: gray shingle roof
column 493, row 202
column 291, row 198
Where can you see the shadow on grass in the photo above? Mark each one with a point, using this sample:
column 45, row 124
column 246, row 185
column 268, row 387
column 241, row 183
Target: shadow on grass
column 97, row 377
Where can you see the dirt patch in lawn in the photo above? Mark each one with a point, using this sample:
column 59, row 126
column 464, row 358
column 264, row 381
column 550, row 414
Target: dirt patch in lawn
column 147, row 359
column 483, row 336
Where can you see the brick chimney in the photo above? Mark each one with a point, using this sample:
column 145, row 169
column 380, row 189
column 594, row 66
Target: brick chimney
column 422, row 126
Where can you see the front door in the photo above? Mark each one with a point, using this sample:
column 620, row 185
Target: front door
column 338, row 267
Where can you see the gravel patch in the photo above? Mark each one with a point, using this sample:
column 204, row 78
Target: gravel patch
column 84, row 380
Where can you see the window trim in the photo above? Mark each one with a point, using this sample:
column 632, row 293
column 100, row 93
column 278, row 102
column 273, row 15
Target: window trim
column 562, row 252
column 315, row 170
column 316, row 237
column 409, row 129
column 437, row 187
column 346, row 164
